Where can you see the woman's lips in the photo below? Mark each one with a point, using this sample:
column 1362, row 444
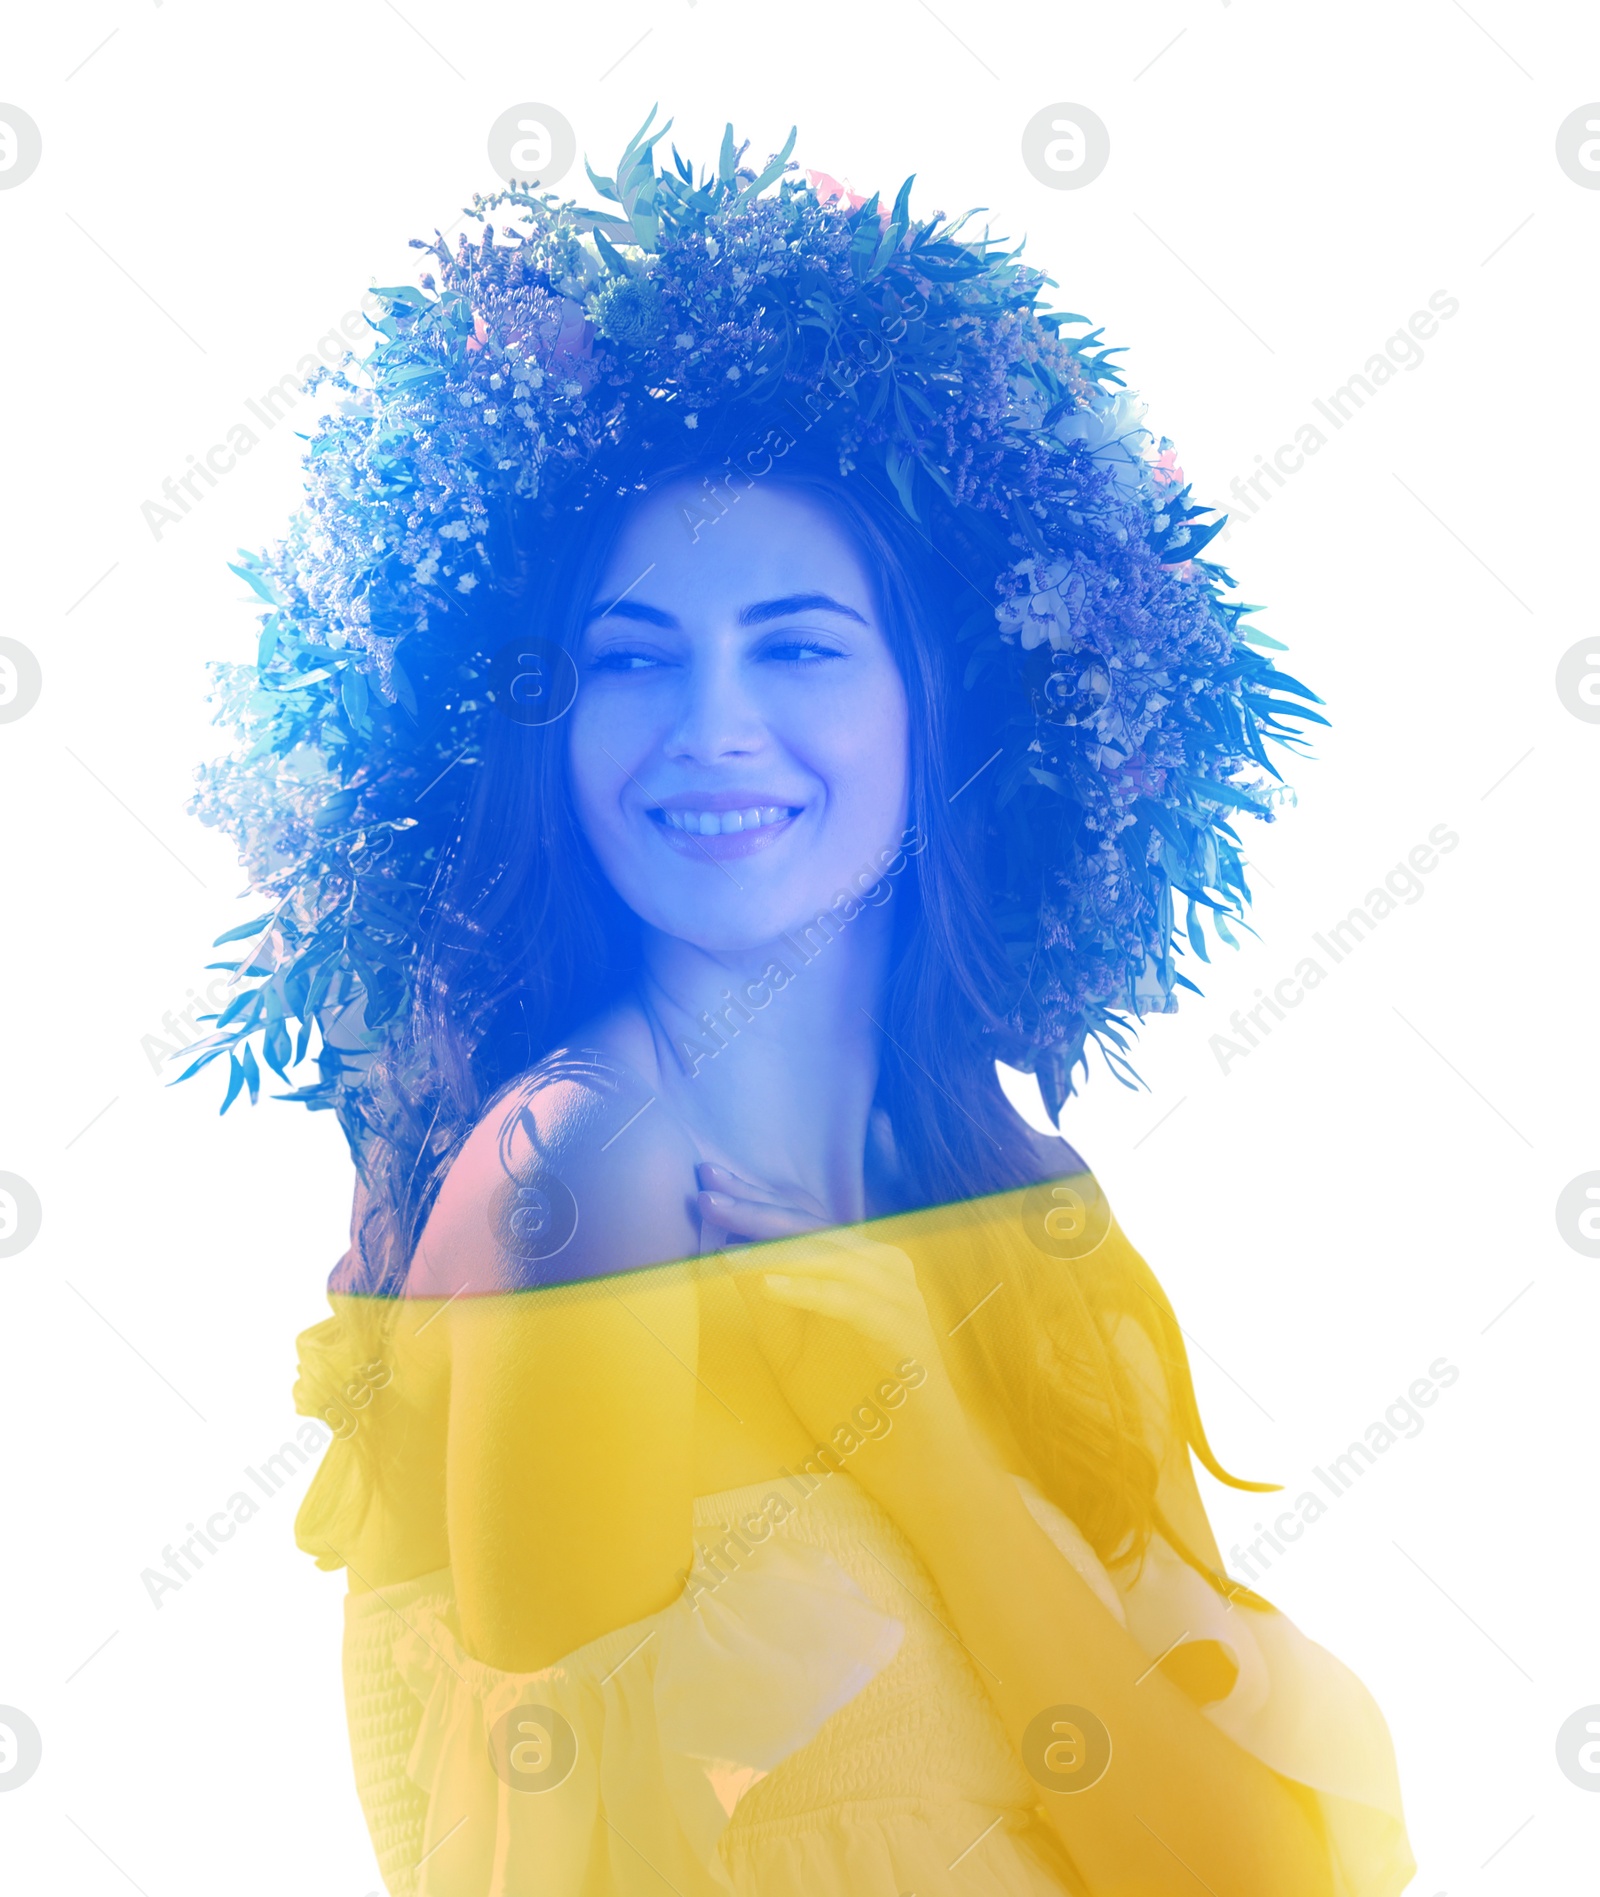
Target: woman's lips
column 775, row 821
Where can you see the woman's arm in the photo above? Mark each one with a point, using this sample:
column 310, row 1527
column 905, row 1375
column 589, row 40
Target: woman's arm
column 569, row 1465
column 1182, row 1807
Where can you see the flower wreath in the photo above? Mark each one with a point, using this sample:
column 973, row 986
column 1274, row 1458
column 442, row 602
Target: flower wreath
column 536, row 365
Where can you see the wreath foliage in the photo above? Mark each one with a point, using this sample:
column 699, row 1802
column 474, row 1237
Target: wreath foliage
column 722, row 314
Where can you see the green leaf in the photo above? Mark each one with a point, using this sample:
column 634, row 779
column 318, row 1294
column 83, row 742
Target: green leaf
column 255, row 582
column 902, row 470
column 353, row 694
column 235, row 1082
column 275, row 1048
column 773, row 171
column 605, row 186
column 252, row 1073
column 403, row 688
column 244, row 929
column 727, row 159
column 610, row 256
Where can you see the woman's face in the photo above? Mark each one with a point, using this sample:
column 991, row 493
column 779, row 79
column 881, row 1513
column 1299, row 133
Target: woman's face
column 738, row 747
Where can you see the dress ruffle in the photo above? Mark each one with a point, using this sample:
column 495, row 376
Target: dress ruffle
column 1293, row 1705
column 646, row 1737
column 651, row 1737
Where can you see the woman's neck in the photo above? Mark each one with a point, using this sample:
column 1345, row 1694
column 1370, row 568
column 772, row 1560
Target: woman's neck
column 770, row 1055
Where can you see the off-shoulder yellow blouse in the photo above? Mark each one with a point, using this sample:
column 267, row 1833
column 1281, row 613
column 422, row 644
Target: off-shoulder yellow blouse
column 802, row 1721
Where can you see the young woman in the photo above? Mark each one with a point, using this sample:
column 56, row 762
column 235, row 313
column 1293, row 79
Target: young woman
column 764, row 1464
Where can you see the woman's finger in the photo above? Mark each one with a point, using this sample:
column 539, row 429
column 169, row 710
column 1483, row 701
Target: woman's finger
column 720, row 1179
column 879, row 1268
column 810, row 1294
column 753, row 1220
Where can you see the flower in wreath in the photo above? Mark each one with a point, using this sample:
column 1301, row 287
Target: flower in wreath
column 1112, row 431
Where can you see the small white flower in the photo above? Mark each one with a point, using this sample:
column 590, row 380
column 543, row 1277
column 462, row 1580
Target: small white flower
column 1112, row 429
column 466, row 583
column 491, row 414
column 683, row 340
column 691, row 421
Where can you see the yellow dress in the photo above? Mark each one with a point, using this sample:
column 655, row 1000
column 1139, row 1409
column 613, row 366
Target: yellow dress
column 802, row 1721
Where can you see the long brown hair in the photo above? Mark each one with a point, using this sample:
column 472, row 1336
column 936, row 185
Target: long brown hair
column 525, row 939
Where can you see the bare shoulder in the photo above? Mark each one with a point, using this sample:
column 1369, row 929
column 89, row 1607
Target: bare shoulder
column 575, row 1171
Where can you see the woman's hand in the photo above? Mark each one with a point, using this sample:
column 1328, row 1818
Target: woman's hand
column 842, row 1323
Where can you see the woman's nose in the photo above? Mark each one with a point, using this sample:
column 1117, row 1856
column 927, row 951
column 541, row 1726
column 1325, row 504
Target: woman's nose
column 716, row 716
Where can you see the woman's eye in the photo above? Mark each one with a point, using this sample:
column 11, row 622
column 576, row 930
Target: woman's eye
column 623, row 661
column 802, row 651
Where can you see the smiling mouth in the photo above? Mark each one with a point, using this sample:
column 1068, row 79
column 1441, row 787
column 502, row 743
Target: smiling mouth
column 713, row 823
column 716, row 835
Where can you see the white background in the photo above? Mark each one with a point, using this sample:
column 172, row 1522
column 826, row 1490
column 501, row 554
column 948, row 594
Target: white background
column 1370, row 1189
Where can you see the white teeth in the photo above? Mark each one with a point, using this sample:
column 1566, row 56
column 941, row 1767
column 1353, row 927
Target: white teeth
column 711, row 823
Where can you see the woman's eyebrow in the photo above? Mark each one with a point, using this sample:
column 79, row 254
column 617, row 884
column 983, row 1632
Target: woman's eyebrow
column 759, row 614
column 623, row 608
